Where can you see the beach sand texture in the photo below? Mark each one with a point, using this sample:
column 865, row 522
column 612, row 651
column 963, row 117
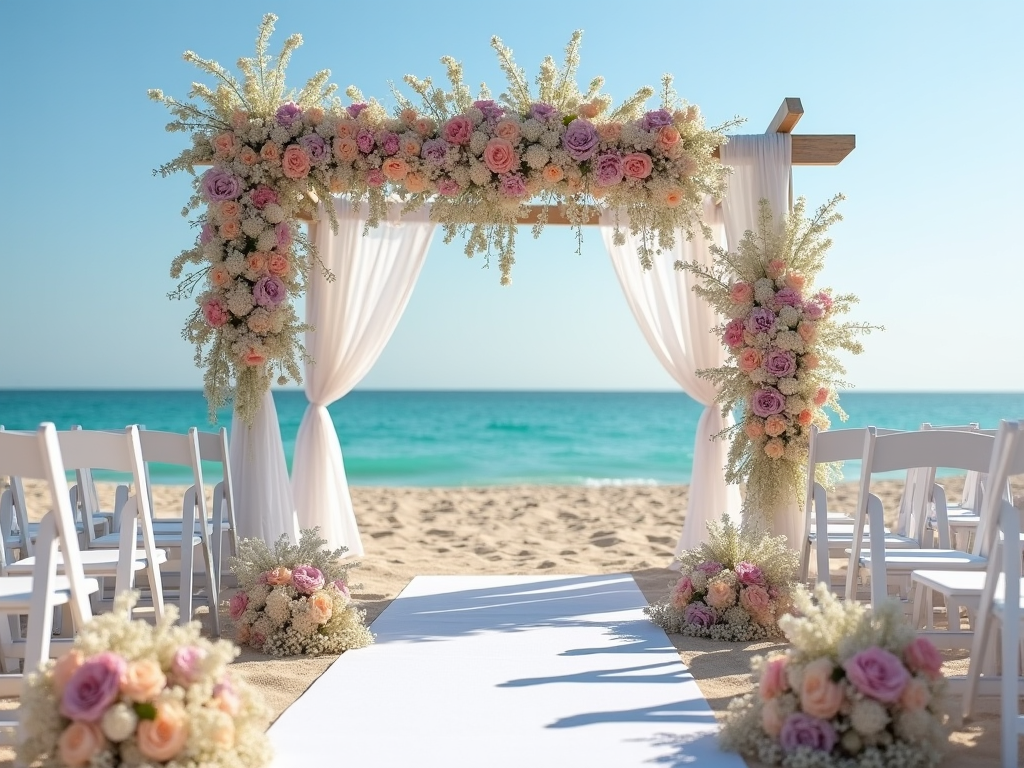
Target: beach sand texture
column 547, row 529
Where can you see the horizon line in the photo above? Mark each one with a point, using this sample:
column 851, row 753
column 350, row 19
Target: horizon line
column 439, row 390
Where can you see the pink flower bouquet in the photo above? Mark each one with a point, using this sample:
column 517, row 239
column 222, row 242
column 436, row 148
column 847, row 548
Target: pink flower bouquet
column 734, row 587
column 295, row 599
column 856, row 688
column 129, row 694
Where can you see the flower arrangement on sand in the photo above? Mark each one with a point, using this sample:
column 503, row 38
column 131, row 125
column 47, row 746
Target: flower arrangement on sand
column 735, row 586
column 275, row 152
column 856, row 688
column 782, row 335
column 131, row 694
column 295, row 599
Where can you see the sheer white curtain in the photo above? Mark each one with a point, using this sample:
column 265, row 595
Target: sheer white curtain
column 677, row 325
column 762, row 168
column 354, row 317
column 259, row 476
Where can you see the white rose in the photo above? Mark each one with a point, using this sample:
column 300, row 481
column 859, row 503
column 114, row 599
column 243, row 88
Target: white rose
column 119, row 722
column 868, row 717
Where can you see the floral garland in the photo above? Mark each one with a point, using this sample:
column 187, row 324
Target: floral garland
column 782, row 336
column 131, row 694
column 856, row 689
column 732, row 587
column 478, row 161
column 295, row 599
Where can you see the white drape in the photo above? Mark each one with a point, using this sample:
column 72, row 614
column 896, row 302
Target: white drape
column 259, row 476
column 677, row 325
column 762, row 168
column 354, row 317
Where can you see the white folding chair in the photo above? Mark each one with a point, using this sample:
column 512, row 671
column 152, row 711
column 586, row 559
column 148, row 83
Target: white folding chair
column 925, row 451
column 213, row 447
column 37, row 456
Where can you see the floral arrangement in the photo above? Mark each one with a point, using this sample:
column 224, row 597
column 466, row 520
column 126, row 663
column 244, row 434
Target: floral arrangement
column 131, row 694
column 734, row 586
column 274, row 153
column 295, row 599
column 782, row 335
column 856, row 688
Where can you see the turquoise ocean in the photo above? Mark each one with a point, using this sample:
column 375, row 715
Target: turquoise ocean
column 395, row 438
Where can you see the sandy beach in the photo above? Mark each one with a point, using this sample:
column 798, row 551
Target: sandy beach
column 548, row 529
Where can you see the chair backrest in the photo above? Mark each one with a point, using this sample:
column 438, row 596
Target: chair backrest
column 178, row 449
column 213, row 446
column 38, row 456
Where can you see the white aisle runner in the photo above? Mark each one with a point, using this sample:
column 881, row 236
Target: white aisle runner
column 506, row 672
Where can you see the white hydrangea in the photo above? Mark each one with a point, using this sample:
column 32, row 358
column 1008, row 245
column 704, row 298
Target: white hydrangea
column 461, row 176
column 789, row 340
column 258, row 596
column 273, row 213
column 475, row 114
column 914, row 726
column 736, row 615
column 764, row 290
column 536, row 156
column 699, row 581
column 477, row 142
column 796, row 404
column 278, row 607
column 868, row 717
column 480, row 174
column 240, row 301
column 214, row 249
column 550, row 139
column 280, row 135
column 235, row 264
column 759, row 376
column 532, row 129
column 266, row 241
column 119, row 722
column 789, row 316
column 632, row 135
column 788, row 386
column 253, row 227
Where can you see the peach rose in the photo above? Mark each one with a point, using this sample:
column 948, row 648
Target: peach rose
column 230, row 229
column 771, row 718
column 415, row 183
column 637, row 165
column 339, row 184
column 280, row 576
column 795, row 281
column 314, row 115
column 774, row 425
column 65, row 667
column 163, row 737
column 805, row 418
column 424, row 126
column 321, row 606
column 279, row 264
column 672, row 198
column 295, row 162
column 807, row 330
column 408, row 116
column 220, row 276
column 508, row 130
column 254, row 357
column 229, row 209
column 810, row 361
column 270, row 152
column 668, row 137
column 915, row 695
column 755, row 600
column 500, row 156
column 224, row 734
column 775, row 268
column 346, row 129
column 411, row 147
column 79, row 742
column 821, row 396
column 741, row 292
column 775, row 448
column 754, row 429
column 588, row 110
column 749, row 360
column 609, row 131
column 346, row 150
column 224, row 144
column 773, row 678
column 143, row 680
column 248, row 156
column 819, row 696
column 552, row 174
column 721, row 594
column 395, row 168
column 256, row 261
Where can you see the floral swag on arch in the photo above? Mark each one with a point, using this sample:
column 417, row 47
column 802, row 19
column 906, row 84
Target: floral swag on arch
column 478, row 162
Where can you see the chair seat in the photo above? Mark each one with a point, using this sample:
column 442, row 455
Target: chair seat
column 170, row 526
column 169, row 539
column 97, row 563
column 939, row 559
column 892, row 540
column 951, row 583
column 16, row 592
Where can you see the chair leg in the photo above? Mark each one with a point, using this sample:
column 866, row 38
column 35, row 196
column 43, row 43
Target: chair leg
column 805, row 562
column 7, row 637
column 921, row 595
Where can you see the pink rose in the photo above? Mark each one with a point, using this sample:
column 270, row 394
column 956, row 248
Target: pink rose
column 164, row 737
column 375, row 178
column 922, row 656
column 610, row 132
column 239, row 602
column 824, row 299
column 754, row 599
column 500, row 156
column 607, row 168
column 65, row 668
column 775, row 268
column 306, row 579
column 636, row 165
column 877, row 674
column 448, row 187
column 721, row 595
column 748, row 574
column 143, row 680
column 215, row 312
column 230, row 229
column 263, row 196
column 248, row 156
column 771, row 718
column 270, row 152
column 813, row 310
column 224, row 144
column 733, row 335
column 805, row 418
column 187, row 664
column 710, row 568
column 668, row 137
column 342, row 587
column 773, row 678
column 295, row 163
column 508, row 130
column 749, row 360
column 458, row 130
column 821, row 396
column 741, row 292
column 284, row 234
column 787, row 297
column 819, row 696
column 682, row 594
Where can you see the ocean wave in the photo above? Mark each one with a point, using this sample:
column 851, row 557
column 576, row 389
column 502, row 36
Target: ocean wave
column 598, row 482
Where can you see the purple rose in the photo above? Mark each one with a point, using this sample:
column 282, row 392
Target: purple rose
column 710, row 568
column 354, row 110
column 656, row 119
column 802, row 730
column 448, row 187
column 263, row 196
column 761, row 320
column 748, row 573
column 187, row 663
column 269, row 291
column 287, row 114
column 307, row 579
column 284, row 234
column 788, row 297
column 512, row 185
column 339, row 584
column 389, row 142
column 315, row 147
column 365, row 141
column 767, row 401
column 780, row 363
column 206, row 234
column 434, row 150
column 93, row 688
column 878, row 674
column 608, row 169
column 699, row 615
column 492, row 112
column 219, row 185
column 240, row 601
column 541, row 111
column 580, row 140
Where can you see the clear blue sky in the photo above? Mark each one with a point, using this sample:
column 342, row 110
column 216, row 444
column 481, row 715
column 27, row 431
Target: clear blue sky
column 930, row 241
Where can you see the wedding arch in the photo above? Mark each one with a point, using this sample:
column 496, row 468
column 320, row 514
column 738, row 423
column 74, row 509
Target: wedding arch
column 477, row 167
